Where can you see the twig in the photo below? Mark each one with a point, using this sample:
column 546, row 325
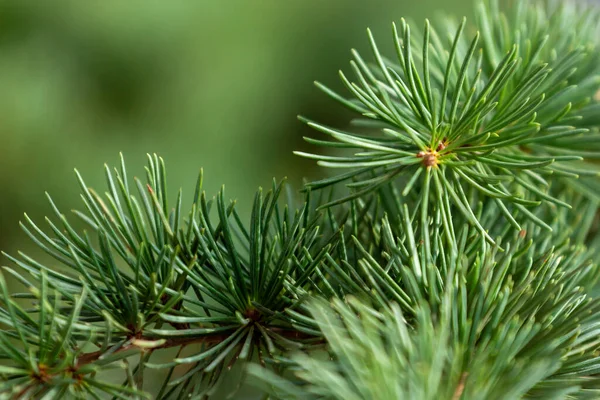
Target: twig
column 88, row 358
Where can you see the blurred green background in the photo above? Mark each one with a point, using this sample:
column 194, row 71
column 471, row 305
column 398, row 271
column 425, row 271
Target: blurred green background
column 213, row 84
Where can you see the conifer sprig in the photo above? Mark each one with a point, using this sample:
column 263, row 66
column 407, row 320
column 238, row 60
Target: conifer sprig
column 141, row 278
column 40, row 354
column 527, row 314
column 498, row 113
column 376, row 354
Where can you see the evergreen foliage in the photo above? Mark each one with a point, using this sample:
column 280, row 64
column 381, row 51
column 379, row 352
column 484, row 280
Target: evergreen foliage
column 456, row 259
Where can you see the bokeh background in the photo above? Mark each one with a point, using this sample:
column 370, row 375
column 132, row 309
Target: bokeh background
column 214, row 84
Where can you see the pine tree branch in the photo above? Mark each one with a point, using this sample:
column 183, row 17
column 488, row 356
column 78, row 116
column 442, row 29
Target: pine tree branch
column 483, row 123
column 463, row 262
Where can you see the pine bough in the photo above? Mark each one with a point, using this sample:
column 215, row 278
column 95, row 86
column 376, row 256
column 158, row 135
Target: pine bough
column 454, row 257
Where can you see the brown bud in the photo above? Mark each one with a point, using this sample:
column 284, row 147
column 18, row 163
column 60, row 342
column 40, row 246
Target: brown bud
column 429, row 160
